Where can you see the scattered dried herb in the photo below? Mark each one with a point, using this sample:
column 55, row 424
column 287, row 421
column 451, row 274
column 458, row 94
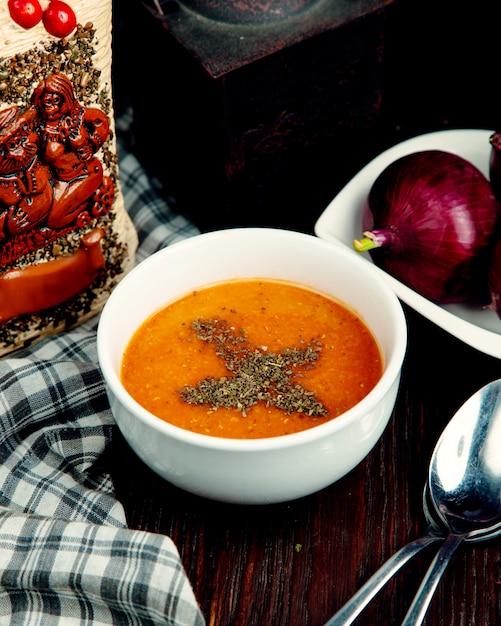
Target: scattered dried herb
column 257, row 375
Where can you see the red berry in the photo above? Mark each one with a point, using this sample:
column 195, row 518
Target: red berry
column 26, row 13
column 59, row 19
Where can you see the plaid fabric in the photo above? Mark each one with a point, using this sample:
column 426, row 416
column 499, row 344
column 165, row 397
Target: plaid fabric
column 66, row 554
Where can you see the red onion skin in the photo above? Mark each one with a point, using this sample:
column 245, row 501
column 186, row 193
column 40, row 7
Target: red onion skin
column 436, row 221
column 494, row 278
column 495, row 163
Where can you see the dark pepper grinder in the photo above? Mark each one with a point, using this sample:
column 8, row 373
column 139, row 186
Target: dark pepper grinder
column 266, row 100
column 248, row 11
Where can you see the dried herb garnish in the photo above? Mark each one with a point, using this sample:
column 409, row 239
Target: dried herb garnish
column 257, row 375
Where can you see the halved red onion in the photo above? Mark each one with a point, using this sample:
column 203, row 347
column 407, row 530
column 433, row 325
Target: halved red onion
column 436, row 220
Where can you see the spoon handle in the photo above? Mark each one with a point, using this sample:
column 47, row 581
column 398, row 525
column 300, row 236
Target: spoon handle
column 364, row 595
column 422, row 599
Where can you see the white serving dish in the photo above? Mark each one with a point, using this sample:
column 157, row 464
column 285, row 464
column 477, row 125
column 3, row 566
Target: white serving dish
column 341, row 223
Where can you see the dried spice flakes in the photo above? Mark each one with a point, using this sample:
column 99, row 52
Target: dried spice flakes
column 257, row 375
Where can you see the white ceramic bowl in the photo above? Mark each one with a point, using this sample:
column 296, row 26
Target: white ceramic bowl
column 267, row 470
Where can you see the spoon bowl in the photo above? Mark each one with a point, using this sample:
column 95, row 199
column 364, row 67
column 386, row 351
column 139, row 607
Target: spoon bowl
column 465, row 470
column 440, row 528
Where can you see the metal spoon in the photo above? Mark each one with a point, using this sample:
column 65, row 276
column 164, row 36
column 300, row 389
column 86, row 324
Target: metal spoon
column 434, row 532
column 465, row 484
column 437, row 523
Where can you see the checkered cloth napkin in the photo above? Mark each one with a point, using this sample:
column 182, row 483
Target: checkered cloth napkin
column 66, row 554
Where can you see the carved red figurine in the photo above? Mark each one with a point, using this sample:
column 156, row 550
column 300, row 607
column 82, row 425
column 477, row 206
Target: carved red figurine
column 51, row 182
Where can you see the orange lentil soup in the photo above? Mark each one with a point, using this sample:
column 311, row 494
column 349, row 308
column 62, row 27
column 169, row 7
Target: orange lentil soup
column 252, row 358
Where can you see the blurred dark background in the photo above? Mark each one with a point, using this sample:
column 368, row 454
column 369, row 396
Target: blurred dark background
column 261, row 122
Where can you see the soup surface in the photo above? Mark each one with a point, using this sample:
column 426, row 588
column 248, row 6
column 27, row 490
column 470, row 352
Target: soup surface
column 251, row 358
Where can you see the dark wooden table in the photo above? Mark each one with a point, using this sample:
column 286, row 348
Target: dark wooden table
column 295, row 564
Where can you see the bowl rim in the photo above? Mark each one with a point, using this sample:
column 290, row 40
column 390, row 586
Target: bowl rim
column 391, row 372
